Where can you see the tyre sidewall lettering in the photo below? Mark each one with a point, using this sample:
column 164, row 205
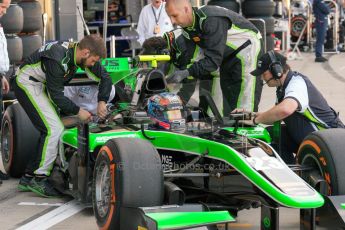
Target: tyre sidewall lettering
column 322, row 159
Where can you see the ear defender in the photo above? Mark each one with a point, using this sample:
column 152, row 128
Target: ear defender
column 276, row 68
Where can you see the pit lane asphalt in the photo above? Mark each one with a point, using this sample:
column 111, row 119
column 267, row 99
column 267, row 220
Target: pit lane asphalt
column 24, row 210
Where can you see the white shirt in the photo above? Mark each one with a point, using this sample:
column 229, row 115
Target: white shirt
column 86, row 97
column 297, row 89
column 4, row 61
column 147, row 22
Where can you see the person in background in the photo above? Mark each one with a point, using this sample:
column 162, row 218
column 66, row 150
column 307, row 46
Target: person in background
column 115, row 12
column 231, row 45
column 300, row 105
column 4, row 63
column 320, row 11
column 39, row 86
column 153, row 21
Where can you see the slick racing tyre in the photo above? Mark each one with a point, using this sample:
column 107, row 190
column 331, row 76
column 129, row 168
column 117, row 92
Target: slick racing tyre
column 127, row 174
column 255, row 8
column 230, row 5
column 323, row 151
column 31, row 43
column 14, row 48
column 13, row 20
column 32, row 12
column 19, row 140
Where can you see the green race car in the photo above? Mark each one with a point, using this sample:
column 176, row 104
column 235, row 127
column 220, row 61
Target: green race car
column 137, row 175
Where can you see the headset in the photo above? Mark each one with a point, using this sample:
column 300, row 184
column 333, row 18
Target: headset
column 276, row 67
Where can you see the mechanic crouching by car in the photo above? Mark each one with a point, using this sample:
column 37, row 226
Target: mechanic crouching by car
column 299, row 104
column 231, row 44
column 39, row 88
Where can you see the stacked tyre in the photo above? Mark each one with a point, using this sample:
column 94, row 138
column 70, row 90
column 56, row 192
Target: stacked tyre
column 22, row 24
column 228, row 4
column 12, row 23
column 31, row 39
column 258, row 12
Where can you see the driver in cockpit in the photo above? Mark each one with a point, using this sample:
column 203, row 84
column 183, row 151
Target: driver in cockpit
column 168, row 112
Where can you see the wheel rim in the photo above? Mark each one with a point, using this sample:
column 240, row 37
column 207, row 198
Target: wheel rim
column 312, row 161
column 297, row 27
column 103, row 189
column 6, row 146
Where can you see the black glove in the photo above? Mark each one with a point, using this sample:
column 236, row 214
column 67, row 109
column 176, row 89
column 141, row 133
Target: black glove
column 178, row 76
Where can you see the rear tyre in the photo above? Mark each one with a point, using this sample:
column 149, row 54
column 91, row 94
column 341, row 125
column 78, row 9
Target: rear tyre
column 127, row 173
column 324, row 152
column 19, row 140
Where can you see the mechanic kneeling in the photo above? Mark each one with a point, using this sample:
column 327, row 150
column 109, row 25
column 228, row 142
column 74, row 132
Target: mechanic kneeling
column 300, row 104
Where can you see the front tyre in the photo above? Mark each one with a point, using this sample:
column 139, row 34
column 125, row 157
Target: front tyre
column 128, row 174
column 323, row 151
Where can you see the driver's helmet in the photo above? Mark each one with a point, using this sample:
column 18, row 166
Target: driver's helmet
column 166, row 110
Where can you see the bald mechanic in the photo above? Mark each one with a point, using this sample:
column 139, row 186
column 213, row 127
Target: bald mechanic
column 183, row 53
column 231, row 45
column 39, row 88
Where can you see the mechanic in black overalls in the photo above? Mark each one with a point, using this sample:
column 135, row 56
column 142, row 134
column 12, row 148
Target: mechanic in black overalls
column 183, row 53
column 39, row 88
column 299, row 104
column 231, row 45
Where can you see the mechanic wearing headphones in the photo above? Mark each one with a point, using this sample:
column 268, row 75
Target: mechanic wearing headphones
column 231, row 44
column 299, row 104
column 39, row 88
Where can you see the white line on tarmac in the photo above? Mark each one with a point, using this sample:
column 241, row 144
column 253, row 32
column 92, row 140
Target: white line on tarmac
column 2, row 167
column 39, row 204
column 54, row 217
